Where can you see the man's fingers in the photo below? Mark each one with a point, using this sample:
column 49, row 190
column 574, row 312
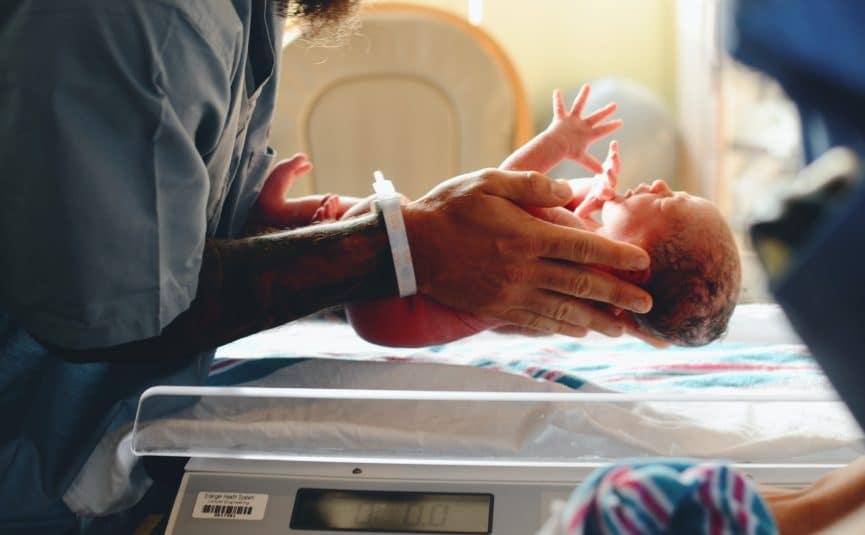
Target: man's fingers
column 527, row 188
column 537, row 322
column 633, row 329
column 657, row 343
column 601, row 114
column 587, row 283
column 580, row 101
column 583, row 247
column 579, row 313
column 591, row 163
column 571, row 312
column 526, row 331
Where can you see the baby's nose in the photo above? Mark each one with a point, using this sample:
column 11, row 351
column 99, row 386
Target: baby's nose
column 660, row 187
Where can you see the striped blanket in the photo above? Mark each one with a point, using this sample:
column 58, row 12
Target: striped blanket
column 659, row 496
column 758, row 354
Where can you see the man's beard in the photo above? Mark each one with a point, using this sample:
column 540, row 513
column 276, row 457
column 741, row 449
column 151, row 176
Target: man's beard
column 326, row 20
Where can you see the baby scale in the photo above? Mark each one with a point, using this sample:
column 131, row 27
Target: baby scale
column 325, row 461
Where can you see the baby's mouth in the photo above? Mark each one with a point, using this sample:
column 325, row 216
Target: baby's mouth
column 642, row 188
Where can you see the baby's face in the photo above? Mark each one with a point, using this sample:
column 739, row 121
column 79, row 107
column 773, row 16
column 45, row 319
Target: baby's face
column 648, row 213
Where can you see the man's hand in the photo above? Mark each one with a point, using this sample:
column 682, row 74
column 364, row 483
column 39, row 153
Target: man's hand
column 476, row 250
column 576, row 133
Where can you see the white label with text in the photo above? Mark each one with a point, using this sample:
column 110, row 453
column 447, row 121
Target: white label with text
column 230, row 506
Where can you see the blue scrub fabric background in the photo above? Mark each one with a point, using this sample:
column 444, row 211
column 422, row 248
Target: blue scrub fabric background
column 815, row 50
column 56, row 413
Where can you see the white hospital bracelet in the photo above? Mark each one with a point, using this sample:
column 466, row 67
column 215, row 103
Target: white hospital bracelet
column 388, row 202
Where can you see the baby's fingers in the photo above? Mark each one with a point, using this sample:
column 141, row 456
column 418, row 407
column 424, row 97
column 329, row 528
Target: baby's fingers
column 580, row 101
column 633, row 329
column 606, row 128
column 591, row 163
column 614, row 156
column 558, row 104
column 601, row 114
column 612, row 165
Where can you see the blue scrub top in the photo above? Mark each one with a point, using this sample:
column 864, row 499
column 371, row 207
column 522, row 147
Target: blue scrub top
column 131, row 131
column 815, row 50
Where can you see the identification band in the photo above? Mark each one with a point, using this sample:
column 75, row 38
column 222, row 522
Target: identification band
column 388, row 203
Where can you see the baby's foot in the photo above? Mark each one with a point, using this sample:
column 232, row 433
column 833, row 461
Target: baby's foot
column 273, row 197
column 283, row 176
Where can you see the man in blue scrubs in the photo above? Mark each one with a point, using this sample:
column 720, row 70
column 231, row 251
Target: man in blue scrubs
column 814, row 50
column 134, row 145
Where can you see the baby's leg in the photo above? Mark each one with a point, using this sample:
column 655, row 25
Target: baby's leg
column 415, row 321
column 412, row 321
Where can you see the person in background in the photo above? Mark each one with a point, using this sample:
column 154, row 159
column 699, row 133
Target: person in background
column 690, row 497
column 134, row 153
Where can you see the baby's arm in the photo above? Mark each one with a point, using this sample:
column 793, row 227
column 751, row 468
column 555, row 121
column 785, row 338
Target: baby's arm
column 603, row 188
column 567, row 136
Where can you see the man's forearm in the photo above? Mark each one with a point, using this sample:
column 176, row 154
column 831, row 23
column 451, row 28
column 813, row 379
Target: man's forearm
column 252, row 284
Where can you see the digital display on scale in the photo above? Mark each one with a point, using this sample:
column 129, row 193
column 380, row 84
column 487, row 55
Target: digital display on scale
column 396, row 512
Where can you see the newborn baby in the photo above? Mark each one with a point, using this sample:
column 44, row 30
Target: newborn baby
column 695, row 272
column 694, row 278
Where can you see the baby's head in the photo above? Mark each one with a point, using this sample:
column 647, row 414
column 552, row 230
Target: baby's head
column 695, row 271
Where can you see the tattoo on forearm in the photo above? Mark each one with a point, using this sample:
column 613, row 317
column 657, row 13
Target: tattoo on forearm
column 252, row 284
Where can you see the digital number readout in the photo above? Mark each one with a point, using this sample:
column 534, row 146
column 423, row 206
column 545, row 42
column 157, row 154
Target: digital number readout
column 398, row 512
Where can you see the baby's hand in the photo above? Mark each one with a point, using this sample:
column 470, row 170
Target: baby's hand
column 329, row 210
column 577, row 133
column 604, row 187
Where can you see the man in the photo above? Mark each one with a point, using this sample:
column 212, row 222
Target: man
column 134, row 147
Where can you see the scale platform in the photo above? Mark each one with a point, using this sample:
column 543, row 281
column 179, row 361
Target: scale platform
column 325, row 461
